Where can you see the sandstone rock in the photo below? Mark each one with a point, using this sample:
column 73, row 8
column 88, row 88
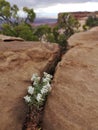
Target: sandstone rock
column 9, row 38
column 84, row 37
column 73, row 103
column 18, row 61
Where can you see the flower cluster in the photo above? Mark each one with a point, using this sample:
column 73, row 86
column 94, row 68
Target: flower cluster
column 39, row 89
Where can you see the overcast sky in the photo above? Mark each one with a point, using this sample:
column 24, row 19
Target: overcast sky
column 50, row 8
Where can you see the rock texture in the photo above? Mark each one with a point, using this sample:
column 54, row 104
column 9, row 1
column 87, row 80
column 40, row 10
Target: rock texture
column 18, row 61
column 84, row 38
column 73, row 103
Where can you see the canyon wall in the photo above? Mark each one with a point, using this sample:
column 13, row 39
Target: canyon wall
column 79, row 15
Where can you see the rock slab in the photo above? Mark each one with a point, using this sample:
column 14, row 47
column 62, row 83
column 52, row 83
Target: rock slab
column 73, row 103
column 18, row 61
column 9, row 38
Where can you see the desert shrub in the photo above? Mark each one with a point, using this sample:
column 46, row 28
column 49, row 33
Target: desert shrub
column 24, row 31
column 50, row 38
column 66, row 26
column 69, row 23
column 92, row 21
column 55, row 32
column 7, row 29
column 62, row 40
column 42, row 30
column 85, row 27
column 13, row 25
column 9, row 13
column 35, row 38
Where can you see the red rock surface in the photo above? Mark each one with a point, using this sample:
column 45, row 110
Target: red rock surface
column 18, row 61
column 73, row 103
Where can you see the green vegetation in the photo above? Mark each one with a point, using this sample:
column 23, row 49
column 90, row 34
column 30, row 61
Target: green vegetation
column 13, row 25
column 25, row 31
column 39, row 90
column 42, row 30
column 7, row 29
column 91, row 22
column 69, row 23
column 85, row 27
column 6, row 11
column 9, row 14
column 50, row 37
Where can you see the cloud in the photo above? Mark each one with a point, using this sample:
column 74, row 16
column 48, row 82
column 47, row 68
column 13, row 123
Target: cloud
column 44, row 3
column 46, row 8
column 22, row 14
column 55, row 9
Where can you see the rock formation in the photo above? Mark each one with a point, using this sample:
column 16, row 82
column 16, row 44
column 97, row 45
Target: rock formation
column 73, row 103
column 9, row 38
column 18, row 61
column 79, row 15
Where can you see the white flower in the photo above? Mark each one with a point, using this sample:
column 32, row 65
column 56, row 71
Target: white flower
column 48, row 84
column 45, row 74
column 34, row 83
column 42, row 85
column 45, row 87
column 44, row 80
column 38, row 78
column 30, row 90
column 44, row 90
column 27, row 99
column 34, row 76
column 49, row 76
column 48, row 87
column 39, row 97
column 48, row 79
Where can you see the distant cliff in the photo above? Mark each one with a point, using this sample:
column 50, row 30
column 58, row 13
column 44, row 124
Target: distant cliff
column 79, row 15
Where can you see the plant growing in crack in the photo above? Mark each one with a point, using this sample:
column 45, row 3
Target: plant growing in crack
column 39, row 90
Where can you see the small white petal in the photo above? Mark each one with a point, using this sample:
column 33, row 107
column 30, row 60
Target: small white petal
column 39, row 97
column 34, row 76
column 45, row 80
column 38, row 78
column 45, row 74
column 27, row 99
column 35, row 83
column 44, row 90
column 30, row 90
